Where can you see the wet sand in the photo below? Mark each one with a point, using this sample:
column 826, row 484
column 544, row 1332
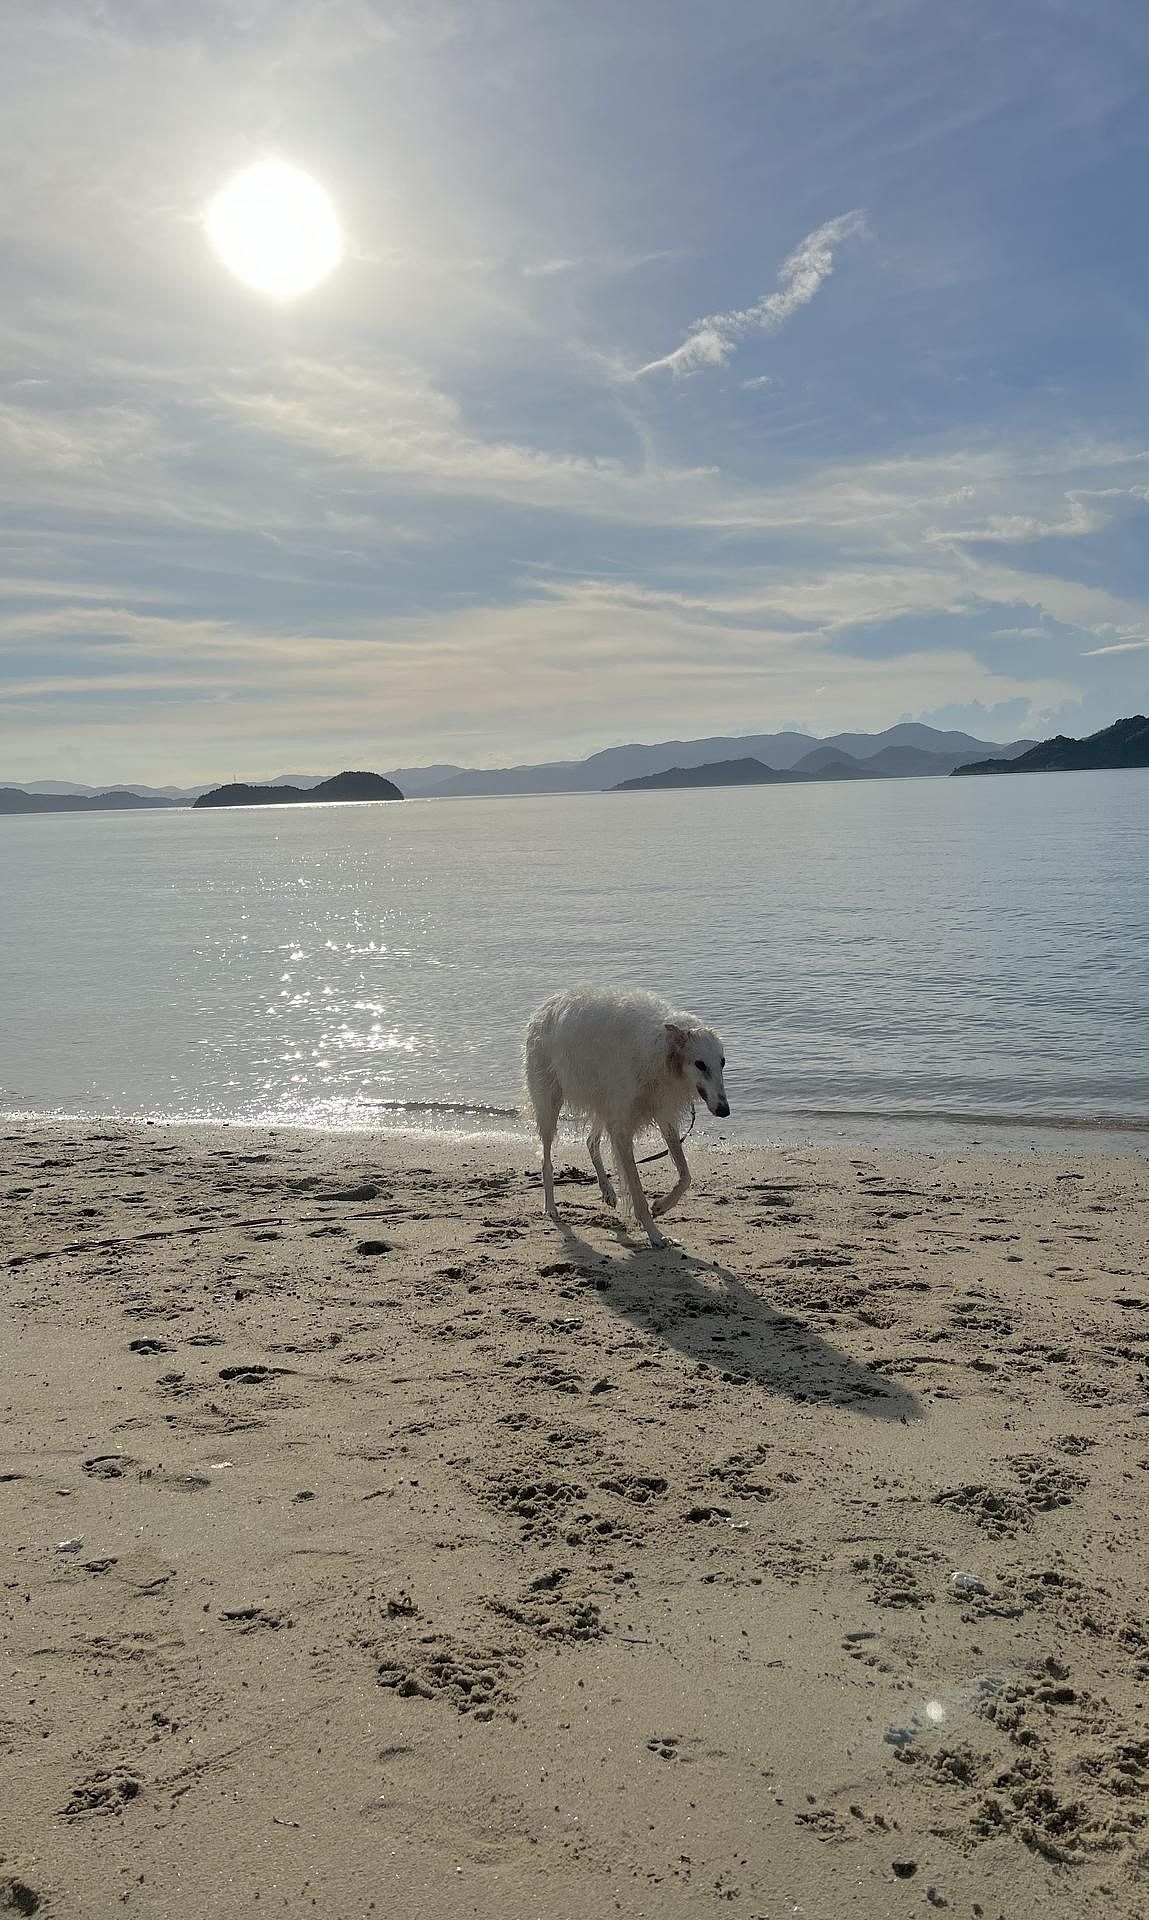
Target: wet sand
column 435, row 1562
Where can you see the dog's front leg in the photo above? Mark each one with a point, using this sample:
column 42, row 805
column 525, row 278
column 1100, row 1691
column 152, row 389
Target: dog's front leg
column 606, row 1184
column 672, row 1198
column 624, row 1160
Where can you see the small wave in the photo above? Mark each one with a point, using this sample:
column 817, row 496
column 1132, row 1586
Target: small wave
column 1061, row 1122
column 443, row 1106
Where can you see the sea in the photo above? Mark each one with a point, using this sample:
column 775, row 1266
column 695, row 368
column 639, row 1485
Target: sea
column 927, row 962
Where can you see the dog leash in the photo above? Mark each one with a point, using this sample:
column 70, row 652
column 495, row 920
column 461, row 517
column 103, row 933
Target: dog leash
column 665, row 1154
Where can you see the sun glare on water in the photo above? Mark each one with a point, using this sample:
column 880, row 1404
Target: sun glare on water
column 275, row 228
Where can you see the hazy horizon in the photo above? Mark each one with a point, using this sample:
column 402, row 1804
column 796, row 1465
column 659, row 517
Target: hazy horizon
column 605, row 374
column 477, row 766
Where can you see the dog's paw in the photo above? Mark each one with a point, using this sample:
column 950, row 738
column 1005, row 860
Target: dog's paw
column 610, row 1196
column 656, row 1238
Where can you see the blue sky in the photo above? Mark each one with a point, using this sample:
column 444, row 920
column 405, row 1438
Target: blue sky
column 690, row 369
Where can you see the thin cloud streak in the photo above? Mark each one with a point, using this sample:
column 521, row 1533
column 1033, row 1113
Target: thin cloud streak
column 711, row 341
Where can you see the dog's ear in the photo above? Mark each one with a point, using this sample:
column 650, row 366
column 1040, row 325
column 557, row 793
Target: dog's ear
column 676, row 1044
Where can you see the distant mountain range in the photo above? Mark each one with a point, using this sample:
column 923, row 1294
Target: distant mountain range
column 899, row 761
column 73, row 789
column 781, row 751
column 341, row 786
column 910, row 748
column 116, row 800
column 1124, row 744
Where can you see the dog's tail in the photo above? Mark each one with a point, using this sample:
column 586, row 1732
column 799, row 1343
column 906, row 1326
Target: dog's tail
column 541, row 1084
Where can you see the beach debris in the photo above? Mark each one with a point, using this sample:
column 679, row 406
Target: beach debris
column 252, row 1373
column 70, row 1546
column 968, row 1583
column 370, row 1247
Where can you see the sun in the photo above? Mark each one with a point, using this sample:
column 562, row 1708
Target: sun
column 276, row 229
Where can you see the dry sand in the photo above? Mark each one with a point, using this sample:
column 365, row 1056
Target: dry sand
column 437, row 1563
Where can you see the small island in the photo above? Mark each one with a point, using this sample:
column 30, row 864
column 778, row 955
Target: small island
column 719, row 773
column 753, row 773
column 1124, row 744
column 341, row 786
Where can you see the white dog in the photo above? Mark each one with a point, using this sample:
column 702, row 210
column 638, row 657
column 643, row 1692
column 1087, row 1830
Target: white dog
column 626, row 1062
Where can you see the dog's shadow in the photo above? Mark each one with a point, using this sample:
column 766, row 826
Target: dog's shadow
column 687, row 1301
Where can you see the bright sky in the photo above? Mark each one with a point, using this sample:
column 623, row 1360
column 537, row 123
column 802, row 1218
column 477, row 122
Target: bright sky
column 687, row 369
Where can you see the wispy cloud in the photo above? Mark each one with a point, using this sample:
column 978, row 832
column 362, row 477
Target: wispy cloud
column 711, row 341
column 544, row 269
column 394, row 422
column 1007, row 529
column 1116, row 646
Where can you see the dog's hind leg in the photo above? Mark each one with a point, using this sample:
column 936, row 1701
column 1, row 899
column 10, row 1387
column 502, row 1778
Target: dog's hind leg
column 623, row 1150
column 547, row 1100
column 549, row 1178
column 672, row 1198
column 594, row 1148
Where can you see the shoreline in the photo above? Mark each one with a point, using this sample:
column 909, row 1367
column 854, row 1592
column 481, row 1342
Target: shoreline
column 905, row 1131
column 435, row 1560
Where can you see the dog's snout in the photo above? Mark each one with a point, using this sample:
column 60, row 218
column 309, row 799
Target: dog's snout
column 723, row 1109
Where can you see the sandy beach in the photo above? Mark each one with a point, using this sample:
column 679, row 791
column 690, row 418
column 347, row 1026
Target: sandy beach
column 373, row 1547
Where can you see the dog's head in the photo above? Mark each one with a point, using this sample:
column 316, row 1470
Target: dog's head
column 696, row 1053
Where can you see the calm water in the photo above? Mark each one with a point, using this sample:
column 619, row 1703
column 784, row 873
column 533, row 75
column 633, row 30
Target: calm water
column 882, row 960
